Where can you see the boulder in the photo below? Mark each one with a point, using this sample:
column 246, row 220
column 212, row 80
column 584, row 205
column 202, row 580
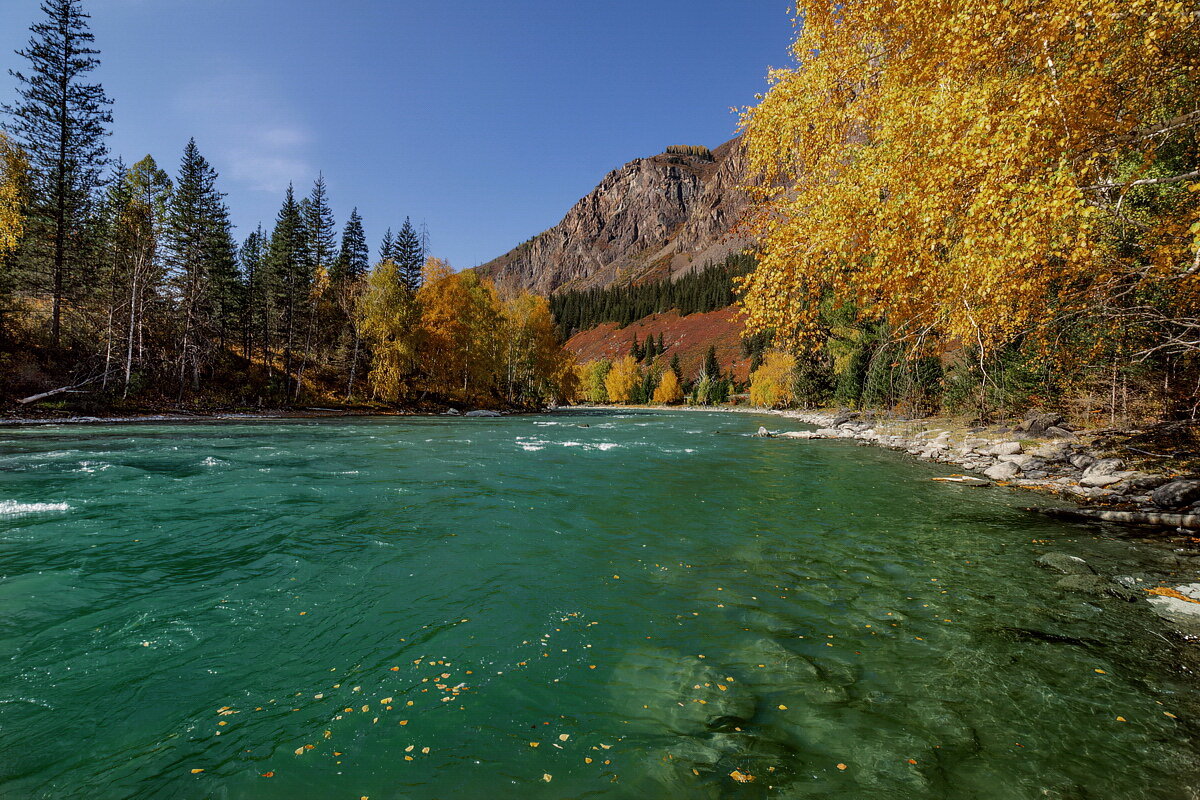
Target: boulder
column 1176, row 494
column 1099, row 481
column 1056, row 432
column 1005, row 449
column 1082, row 461
column 1105, row 466
column 1096, row 584
column 1004, row 471
column 1067, row 565
column 1037, row 424
column 1024, row 462
column 763, row 433
column 450, row 412
column 483, row 413
column 1178, row 610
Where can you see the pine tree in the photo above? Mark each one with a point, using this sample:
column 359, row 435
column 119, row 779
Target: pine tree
column 354, row 257
column 202, row 258
column 60, row 122
column 635, row 349
column 289, row 278
column 319, row 237
column 409, row 256
column 677, row 368
column 252, row 262
column 387, row 248
column 661, row 349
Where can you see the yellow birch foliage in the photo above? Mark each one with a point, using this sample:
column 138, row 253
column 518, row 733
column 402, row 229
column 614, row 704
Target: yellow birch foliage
column 771, row 385
column 388, row 319
column 959, row 166
column 13, row 172
column 621, row 379
column 668, row 390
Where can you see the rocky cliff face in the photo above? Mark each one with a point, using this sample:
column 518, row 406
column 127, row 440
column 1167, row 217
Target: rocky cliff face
column 655, row 217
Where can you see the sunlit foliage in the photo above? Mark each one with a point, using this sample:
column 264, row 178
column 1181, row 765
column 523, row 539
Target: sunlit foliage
column 622, row 380
column 772, row 384
column 976, row 172
column 668, row 390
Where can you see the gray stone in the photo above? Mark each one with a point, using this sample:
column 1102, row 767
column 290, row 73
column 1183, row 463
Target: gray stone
column 1024, row 462
column 1099, row 481
column 763, row 433
column 1095, row 584
column 1067, row 565
column 483, row 413
column 1004, row 471
column 1176, row 494
column 1039, row 423
column 1105, row 466
column 1005, row 449
column 1058, row 433
column 1082, row 461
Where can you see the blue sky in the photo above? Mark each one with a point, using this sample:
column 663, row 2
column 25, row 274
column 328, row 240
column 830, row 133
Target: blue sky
column 486, row 120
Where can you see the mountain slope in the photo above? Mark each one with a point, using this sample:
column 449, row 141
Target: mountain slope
column 652, row 218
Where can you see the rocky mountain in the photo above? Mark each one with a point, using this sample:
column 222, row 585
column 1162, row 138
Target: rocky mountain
column 652, row 218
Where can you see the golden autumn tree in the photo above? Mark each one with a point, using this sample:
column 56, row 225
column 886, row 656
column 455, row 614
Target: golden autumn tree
column 460, row 323
column 620, row 381
column 974, row 172
column 387, row 318
column 536, row 366
column 668, row 390
column 773, row 384
column 13, row 172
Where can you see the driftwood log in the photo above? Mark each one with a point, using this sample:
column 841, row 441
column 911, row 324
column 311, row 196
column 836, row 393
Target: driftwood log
column 1189, row 521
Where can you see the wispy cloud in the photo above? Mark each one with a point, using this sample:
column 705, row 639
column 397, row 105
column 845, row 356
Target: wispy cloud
column 246, row 130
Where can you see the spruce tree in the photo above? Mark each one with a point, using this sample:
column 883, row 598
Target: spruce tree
column 252, row 263
column 677, row 368
column 354, row 257
column 60, row 121
column 410, row 255
column 202, row 259
column 289, row 277
column 387, row 248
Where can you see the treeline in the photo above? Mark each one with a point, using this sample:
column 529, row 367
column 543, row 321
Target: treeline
column 708, row 289
column 130, row 284
column 646, row 376
column 698, row 151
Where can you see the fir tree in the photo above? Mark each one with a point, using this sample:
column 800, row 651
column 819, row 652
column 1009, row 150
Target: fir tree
column 387, row 248
column 354, row 257
column 661, row 349
column 252, row 261
column 677, row 368
column 635, row 349
column 409, row 255
column 289, row 276
column 61, row 122
column 202, row 259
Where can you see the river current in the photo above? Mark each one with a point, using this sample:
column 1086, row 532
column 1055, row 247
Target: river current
column 576, row 605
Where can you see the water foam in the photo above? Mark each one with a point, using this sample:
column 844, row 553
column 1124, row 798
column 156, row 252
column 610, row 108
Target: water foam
column 12, row 508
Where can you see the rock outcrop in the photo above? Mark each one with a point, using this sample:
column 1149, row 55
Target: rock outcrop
column 654, row 217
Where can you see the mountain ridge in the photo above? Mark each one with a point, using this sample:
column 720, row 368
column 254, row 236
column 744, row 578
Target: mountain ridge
column 653, row 218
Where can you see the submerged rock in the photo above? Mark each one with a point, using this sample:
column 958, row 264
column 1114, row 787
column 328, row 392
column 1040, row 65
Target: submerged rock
column 1096, row 584
column 483, row 413
column 1067, row 565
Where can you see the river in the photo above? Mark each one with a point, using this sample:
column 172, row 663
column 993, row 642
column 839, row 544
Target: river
column 585, row 605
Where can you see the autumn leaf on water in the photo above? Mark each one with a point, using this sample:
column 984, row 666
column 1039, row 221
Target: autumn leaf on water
column 547, row 777
column 195, row 771
column 741, row 777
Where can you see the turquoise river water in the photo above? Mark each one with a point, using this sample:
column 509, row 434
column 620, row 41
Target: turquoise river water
column 601, row 605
